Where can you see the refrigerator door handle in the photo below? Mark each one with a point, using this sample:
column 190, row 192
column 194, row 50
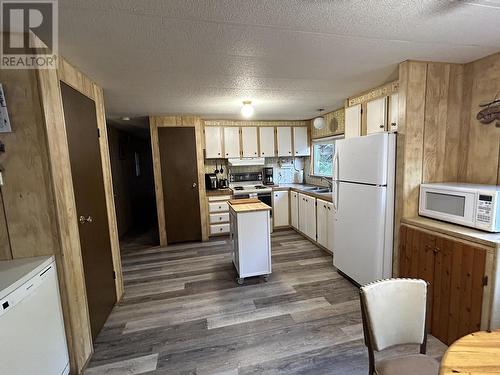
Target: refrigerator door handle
column 336, row 164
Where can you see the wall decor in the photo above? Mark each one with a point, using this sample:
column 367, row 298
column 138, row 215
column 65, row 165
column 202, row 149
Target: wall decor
column 491, row 112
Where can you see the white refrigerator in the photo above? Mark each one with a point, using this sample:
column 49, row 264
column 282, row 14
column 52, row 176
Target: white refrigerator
column 363, row 199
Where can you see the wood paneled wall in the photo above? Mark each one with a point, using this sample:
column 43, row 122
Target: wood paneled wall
column 439, row 138
column 40, row 212
column 29, row 215
column 334, row 125
column 480, row 162
column 156, row 122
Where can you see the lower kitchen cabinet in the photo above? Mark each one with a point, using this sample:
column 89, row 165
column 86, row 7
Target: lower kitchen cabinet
column 294, row 209
column 456, row 272
column 307, row 215
column 281, row 209
column 218, row 214
column 324, row 220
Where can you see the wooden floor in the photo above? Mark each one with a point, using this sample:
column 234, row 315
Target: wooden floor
column 183, row 313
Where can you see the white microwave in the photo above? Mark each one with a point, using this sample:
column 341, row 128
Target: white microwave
column 475, row 206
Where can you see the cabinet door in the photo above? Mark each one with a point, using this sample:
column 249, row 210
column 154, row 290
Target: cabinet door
column 249, row 142
column 213, row 142
column 302, row 213
column 353, row 121
column 455, row 271
column 322, row 223
column 301, row 141
column 393, row 112
column 267, row 146
column 310, row 229
column 294, row 209
column 329, row 226
column 376, row 116
column 232, row 142
column 284, row 134
column 280, row 208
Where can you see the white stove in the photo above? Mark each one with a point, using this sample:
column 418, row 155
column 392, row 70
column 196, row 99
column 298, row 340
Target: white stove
column 248, row 184
column 253, row 188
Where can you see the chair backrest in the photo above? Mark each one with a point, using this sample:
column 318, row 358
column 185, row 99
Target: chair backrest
column 395, row 312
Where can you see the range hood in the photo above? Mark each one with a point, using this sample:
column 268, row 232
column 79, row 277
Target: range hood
column 241, row 162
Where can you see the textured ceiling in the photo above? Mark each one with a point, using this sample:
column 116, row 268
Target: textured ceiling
column 289, row 57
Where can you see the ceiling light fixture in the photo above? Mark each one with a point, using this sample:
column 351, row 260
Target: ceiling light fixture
column 125, row 118
column 247, row 110
column 319, row 122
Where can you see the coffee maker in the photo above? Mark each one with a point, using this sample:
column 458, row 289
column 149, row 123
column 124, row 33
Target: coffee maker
column 268, row 176
column 211, row 181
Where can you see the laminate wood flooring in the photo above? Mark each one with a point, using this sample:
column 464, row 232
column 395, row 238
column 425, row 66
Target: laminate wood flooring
column 183, row 313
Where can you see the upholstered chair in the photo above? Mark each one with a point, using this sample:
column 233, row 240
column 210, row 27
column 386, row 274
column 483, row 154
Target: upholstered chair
column 394, row 313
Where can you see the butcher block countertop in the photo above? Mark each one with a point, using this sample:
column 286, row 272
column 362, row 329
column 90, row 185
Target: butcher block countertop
column 465, row 233
column 247, row 205
column 217, row 192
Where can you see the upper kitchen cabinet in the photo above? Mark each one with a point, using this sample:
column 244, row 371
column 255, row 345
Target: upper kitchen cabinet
column 249, row 142
column 301, row 141
column 284, row 134
column 393, row 112
column 213, row 142
column 232, row 142
column 376, row 115
column 267, row 147
column 353, row 121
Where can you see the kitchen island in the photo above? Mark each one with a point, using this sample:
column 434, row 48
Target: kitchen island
column 250, row 238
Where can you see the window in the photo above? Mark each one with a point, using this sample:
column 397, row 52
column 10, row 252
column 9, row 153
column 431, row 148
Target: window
column 323, row 151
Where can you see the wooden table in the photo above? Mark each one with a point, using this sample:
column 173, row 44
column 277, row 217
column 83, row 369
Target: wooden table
column 477, row 353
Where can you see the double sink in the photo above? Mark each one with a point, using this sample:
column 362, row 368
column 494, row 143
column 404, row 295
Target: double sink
column 317, row 189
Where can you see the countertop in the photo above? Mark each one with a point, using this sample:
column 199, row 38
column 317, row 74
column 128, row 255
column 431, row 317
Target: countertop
column 465, row 233
column 248, row 205
column 214, row 193
column 302, row 188
column 14, row 273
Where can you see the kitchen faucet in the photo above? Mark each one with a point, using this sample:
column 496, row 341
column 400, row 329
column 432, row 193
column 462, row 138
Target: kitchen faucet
column 329, row 181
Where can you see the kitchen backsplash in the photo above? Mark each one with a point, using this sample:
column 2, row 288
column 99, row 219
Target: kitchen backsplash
column 285, row 169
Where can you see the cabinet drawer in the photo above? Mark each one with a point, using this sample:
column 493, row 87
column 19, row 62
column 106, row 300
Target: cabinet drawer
column 219, row 228
column 219, row 218
column 218, row 207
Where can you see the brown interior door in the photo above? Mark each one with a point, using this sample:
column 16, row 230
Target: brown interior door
column 88, row 184
column 179, row 174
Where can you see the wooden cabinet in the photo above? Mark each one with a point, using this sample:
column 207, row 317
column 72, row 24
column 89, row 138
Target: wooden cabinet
column 393, row 112
column 213, row 142
column 456, row 273
column 284, row 140
column 294, row 209
column 324, row 223
column 307, row 215
column 249, row 142
column 232, row 142
column 281, row 208
column 376, row 115
column 353, row 121
column 266, row 142
column 301, row 141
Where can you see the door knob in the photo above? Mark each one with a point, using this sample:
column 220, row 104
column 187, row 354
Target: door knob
column 82, row 219
column 194, row 185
